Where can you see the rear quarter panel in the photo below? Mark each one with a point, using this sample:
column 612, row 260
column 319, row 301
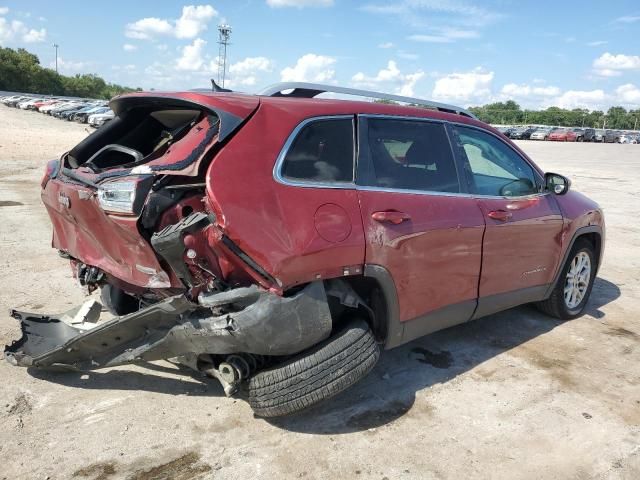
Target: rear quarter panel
column 275, row 223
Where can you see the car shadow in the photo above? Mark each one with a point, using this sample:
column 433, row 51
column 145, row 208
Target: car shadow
column 389, row 391
column 386, row 394
column 165, row 377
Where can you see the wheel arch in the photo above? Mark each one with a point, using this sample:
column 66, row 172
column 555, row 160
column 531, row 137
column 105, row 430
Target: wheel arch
column 386, row 322
column 593, row 234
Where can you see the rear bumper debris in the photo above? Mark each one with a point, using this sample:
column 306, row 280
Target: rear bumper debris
column 262, row 323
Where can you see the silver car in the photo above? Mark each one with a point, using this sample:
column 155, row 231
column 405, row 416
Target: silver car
column 540, row 134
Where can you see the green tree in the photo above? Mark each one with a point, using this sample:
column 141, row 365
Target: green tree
column 20, row 71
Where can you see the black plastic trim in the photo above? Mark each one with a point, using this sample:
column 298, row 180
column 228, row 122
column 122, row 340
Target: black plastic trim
column 395, row 329
column 503, row 301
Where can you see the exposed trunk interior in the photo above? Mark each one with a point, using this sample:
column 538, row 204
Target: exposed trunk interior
column 133, row 138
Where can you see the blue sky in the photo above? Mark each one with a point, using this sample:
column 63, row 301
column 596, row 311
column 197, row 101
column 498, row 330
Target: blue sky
column 464, row 51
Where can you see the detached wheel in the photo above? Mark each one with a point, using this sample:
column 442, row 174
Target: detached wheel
column 571, row 293
column 317, row 374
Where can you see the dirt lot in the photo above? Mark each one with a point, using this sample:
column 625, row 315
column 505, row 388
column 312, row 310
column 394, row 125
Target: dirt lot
column 515, row 395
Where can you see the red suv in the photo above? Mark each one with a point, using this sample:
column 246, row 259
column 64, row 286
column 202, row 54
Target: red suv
column 281, row 241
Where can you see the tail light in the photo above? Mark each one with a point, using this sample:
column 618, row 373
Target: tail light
column 124, row 196
column 50, row 172
column 117, row 197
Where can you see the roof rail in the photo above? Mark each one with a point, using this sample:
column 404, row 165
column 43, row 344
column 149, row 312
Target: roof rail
column 310, row 90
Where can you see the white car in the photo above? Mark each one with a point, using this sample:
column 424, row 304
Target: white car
column 625, row 138
column 11, row 98
column 99, row 119
column 540, row 134
column 27, row 103
column 62, row 105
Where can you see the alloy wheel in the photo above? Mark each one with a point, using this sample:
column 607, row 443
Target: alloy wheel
column 577, row 280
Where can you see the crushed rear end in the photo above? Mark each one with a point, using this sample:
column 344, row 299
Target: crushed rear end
column 131, row 213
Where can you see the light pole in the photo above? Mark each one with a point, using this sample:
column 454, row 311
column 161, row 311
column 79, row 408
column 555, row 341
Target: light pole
column 55, row 45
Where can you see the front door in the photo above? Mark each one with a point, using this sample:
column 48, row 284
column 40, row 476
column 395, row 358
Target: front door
column 523, row 225
column 417, row 224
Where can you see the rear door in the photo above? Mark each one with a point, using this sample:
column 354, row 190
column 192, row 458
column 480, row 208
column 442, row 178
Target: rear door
column 523, row 225
column 418, row 225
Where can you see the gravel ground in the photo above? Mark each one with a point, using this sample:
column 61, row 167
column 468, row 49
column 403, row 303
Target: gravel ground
column 515, row 395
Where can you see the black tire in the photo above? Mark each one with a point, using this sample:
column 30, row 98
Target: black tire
column 555, row 305
column 117, row 301
column 317, row 374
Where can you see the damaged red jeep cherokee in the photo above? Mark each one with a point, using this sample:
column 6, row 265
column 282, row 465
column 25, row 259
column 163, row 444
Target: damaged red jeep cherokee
column 279, row 242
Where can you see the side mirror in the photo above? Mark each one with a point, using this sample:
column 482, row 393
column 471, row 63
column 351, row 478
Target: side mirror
column 556, row 183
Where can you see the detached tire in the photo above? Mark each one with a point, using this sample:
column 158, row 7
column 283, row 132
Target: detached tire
column 317, row 374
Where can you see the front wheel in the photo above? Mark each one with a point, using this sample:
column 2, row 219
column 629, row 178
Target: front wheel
column 571, row 293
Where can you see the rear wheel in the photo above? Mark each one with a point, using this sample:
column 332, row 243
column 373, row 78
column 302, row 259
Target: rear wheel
column 117, row 301
column 317, row 374
column 571, row 293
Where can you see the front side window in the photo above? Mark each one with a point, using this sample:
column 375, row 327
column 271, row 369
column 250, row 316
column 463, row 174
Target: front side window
column 410, row 155
column 321, row 152
column 493, row 167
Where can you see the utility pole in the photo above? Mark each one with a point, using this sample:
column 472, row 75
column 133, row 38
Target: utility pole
column 55, row 45
column 224, row 35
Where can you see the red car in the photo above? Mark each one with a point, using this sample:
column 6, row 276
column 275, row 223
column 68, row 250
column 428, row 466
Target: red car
column 37, row 105
column 283, row 241
column 558, row 135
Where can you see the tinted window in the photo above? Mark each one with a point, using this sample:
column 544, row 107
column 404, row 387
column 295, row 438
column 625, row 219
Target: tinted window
column 495, row 168
column 322, row 152
column 410, row 155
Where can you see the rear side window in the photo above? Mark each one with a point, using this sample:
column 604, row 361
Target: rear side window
column 323, row 151
column 494, row 168
column 410, row 155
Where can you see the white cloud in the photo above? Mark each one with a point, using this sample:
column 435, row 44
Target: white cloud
column 628, row 19
column 597, row 43
column 607, row 72
column 310, row 68
column 246, row 71
column 456, row 14
column 628, row 95
column 591, row 99
column 15, row 30
column 192, row 56
column 471, row 87
column 193, row 21
column 71, row 66
column 386, row 45
column 299, row 3
column 34, row 36
column 127, row 47
column 408, row 55
column 512, row 90
column 146, row 28
column 390, row 78
column 444, row 35
column 609, row 65
column 4, row 10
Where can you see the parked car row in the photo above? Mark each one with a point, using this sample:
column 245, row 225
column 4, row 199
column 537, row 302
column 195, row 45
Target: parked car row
column 94, row 112
column 567, row 134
